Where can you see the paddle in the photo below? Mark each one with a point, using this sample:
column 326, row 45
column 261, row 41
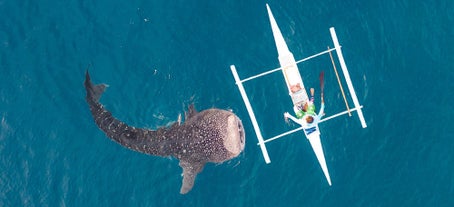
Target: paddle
column 322, row 83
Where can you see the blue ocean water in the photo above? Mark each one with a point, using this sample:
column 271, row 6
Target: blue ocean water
column 160, row 56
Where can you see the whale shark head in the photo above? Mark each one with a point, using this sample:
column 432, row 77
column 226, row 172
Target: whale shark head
column 219, row 135
column 214, row 135
column 235, row 140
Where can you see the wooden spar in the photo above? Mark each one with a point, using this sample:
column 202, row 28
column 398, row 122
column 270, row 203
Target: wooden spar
column 339, row 81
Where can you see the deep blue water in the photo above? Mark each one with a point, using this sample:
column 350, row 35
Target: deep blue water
column 160, row 56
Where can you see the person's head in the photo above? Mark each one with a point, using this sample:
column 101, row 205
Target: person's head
column 309, row 119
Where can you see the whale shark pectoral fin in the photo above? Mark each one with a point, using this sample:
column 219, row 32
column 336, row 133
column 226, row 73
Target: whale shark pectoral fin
column 179, row 119
column 190, row 171
column 191, row 112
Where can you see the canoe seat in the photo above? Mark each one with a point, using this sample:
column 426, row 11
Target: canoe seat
column 298, row 97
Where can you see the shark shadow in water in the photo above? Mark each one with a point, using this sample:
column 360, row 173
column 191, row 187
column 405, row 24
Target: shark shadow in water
column 211, row 135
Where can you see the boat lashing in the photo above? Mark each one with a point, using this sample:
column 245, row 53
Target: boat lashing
column 299, row 96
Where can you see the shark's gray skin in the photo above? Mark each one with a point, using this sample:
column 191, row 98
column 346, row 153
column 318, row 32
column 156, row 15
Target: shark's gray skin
column 212, row 135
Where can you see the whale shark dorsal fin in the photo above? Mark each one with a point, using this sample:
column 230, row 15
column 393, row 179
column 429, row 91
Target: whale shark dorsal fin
column 190, row 171
column 191, row 112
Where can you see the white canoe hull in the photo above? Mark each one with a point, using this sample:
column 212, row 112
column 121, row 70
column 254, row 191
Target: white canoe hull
column 286, row 60
column 293, row 77
column 316, row 144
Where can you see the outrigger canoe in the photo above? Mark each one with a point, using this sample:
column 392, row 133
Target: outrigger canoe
column 293, row 78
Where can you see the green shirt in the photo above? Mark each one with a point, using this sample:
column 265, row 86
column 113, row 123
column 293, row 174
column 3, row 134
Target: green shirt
column 310, row 111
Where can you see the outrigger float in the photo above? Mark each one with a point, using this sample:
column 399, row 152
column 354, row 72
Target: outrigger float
column 292, row 77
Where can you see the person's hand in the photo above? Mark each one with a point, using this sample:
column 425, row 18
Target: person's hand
column 286, row 115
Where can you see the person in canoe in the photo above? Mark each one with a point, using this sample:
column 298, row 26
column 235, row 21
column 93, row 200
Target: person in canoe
column 306, row 117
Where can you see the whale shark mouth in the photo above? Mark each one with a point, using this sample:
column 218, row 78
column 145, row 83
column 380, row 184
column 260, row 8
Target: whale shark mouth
column 241, row 131
column 235, row 140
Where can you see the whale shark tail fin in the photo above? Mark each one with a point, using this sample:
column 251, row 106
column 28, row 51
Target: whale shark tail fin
column 94, row 92
column 190, row 171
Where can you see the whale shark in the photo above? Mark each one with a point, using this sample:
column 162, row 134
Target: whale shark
column 212, row 135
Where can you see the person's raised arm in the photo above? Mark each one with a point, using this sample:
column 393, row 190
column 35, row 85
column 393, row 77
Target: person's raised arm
column 287, row 115
column 322, row 110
